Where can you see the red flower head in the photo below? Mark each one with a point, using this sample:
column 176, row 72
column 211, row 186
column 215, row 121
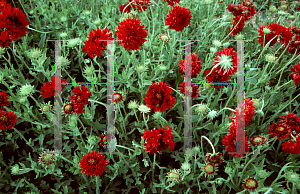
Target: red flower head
column 292, row 147
column 80, row 99
column 249, row 111
column 102, row 141
column 178, row 18
column 293, row 121
column 196, row 65
column 209, row 169
column 118, row 97
column 93, row 163
column 258, row 140
column 251, row 184
column 7, row 120
column 268, row 35
column 4, row 5
column 194, row 89
column 295, row 30
column 239, row 22
column 285, row 34
column 215, row 77
column 134, row 5
column 226, row 62
column 48, row 89
column 281, row 130
column 159, row 139
column 215, row 158
column 141, row 2
column 250, row 9
column 236, row 10
column 95, row 45
column 3, row 100
column 131, row 33
column 69, row 108
column 295, row 44
column 172, row 2
column 159, row 97
column 229, row 141
column 14, row 21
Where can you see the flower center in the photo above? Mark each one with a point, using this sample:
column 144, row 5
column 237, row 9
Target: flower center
column 3, row 118
column 266, row 30
column 251, row 183
column 280, row 129
column 158, row 96
column 257, row 140
column 234, row 142
column 117, row 97
column 78, row 98
column 173, row 175
column 296, row 42
column 225, row 62
column 209, row 169
column 91, row 161
column 68, row 108
column 237, row 8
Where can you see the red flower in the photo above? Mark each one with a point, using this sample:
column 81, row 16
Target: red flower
column 209, row 169
column 298, row 8
column 293, row 121
column 272, row 27
column 196, row 65
column 249, row 111
column 285, row 34
column 178, row 18
column 236, row 10
column 296, row 73
column 14, row 21
column 80, row 99
column 94, row 46
column 4, row 5
column 69, row 108
column 172, row 2
column 294, row 45
column 250, row 9
column 292, row 147
column 159, row 139
column 295, row 30
column 118, row 97
column 240, row 25
column 194, row 91
column 281, row 130
column 3, row 100
column 215, row 77
column 93, row 163
column 140, row 2
column 48, row 89
column 229, row 141
column 226, row 62
column 251, row 184
column 132, row 5
column 131, row 33
column 258, row 140
column 215, row 158
column 159, row 97
column 4, row 39
column 7, row 120
column 102, row 141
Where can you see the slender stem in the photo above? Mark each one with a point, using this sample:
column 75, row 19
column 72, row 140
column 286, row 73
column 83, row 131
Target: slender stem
column 22, row 136
column 136, row 115
column 37, row 30
column 87, row 182
column 209, row 143
column 67, row 160
column 97, row 185
column 97, row 102
column 84, row 128
column 35, row 101
column 145, row 120
column 125, row 148
column 124, row 129
column 153, row 167
column 253, row 158
column 73, row 80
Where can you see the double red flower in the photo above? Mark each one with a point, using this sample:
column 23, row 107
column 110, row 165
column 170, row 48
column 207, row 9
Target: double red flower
column 178, row 18
column 7, row 119
column 159, row 139
column 80, row 99
column 48, row 89
column 93, row 164
column 295, row 75
column 196, row 65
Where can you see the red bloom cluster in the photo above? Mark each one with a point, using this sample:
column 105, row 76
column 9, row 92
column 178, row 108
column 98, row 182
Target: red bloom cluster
column 194, row 91
column 251, row 184
column 249, row 111
column 196, row 65
column 131, row 34
column 7, row 119
column 214, row 158
column 225, row 65
column 14, row 23
column 296, row 74
column 229, row 140
column 80, row 99
column 242, row 12
column 136, row 5
column 281, row 130
column 159, row 139
column 291, row 146
column 159, row 97
column 48, row 89
column 93, row 163
column 276, row 30
column 172, row 2
column 95, row 45
column 178, row 18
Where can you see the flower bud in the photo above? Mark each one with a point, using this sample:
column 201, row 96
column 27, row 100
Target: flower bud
column 97, row 22
column 15, row 169
column 266, row 30
column 217, row 43
column 291, row 17
column 73, row 42
column 26, row 90
column 272, row 8
column 63, row 19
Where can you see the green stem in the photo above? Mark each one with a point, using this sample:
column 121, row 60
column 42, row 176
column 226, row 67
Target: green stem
column 97, row 102
column 124, row 129
column 253, row 158
column 84, row 128
column 37, row 103
column 73, row 80
column 38, row 31
column 153, row 167
column 67, row 160
column 136, row 115
column 125, row 148
column 22, row 136
column 145, row 120
column 97, row 185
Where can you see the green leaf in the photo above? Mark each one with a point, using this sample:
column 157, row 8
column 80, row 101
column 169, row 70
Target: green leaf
column 42, row 41
column 165, row 9
column 41, row 139
column 252, row 93
column 252, row 80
